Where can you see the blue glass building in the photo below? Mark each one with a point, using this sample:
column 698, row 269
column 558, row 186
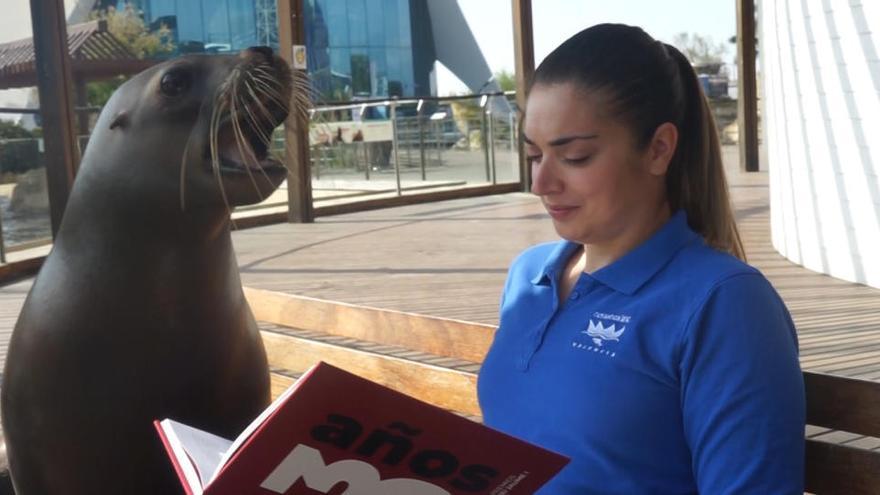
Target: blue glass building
column 356, row 48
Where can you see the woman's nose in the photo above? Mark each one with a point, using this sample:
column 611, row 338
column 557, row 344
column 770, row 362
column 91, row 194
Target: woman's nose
column 543, row 180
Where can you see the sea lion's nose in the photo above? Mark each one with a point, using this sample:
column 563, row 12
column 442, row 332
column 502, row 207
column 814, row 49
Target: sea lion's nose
column 262, row 50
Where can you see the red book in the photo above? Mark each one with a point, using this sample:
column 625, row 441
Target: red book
column 333, row 432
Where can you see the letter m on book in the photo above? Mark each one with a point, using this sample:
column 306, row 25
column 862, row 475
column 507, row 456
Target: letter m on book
column 307, row 464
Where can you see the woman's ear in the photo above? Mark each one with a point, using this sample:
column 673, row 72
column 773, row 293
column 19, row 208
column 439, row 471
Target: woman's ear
column 662, row 148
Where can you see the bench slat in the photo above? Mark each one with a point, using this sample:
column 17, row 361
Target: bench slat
column 841, row 403
column 840, row 470
column 443, row 387
column 432, row 335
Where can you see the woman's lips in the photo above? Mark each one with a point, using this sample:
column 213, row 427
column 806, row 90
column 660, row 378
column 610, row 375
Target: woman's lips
column 559, row 212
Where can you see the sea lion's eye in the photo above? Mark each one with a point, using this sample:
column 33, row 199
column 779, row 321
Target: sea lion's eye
column 175, row 82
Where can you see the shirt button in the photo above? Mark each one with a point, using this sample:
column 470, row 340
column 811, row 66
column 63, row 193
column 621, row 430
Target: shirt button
column 574, row 295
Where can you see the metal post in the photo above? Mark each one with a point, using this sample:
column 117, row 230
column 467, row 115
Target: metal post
column 437, row 147
column 491, row 142
column 394, row 145
column 317, row 166
column 421, row 118
column 367, row 165
column 2, row 242
column 484, row 142
column 510, row 119
column 408, row 143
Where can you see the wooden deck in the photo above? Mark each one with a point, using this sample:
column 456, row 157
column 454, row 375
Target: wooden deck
column 449, row 259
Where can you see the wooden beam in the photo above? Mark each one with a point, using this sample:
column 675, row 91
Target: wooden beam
column 443, row 387
column 429, row 334
column 291, row 32
column 55, row 86
column 10, row 272
column 524, row 60
column 747, row 97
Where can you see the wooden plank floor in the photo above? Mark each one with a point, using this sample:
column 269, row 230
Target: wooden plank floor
column 449, row 259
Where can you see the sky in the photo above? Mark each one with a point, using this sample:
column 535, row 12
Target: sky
column 554, row 21
column 491, row 21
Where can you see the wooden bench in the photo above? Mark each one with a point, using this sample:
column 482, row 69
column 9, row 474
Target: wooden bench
column 845, row 405
column 436, row 360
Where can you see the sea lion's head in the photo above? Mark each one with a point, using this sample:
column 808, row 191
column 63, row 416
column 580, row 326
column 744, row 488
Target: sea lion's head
column 196, row 130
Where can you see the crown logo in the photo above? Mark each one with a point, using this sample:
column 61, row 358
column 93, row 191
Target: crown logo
column 602, row 333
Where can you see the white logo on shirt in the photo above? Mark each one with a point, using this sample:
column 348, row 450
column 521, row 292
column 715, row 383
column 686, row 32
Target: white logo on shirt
column 601, row 333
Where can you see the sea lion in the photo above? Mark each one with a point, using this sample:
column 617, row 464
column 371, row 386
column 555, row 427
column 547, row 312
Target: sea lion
column 138, row 313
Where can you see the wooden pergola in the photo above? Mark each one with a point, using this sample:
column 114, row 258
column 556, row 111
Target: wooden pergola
column 59, row 58
column 93, row 51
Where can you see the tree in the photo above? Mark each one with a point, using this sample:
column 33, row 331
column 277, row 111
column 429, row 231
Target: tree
column 19, row 151
column 128, row 27
column 700, row 50
column 12, row 130
column 506, row 80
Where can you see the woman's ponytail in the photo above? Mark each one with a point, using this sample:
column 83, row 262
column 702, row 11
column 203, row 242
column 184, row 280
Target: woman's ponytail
column 695, row 180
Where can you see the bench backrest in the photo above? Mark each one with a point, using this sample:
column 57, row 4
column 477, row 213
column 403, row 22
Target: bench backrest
column 849, row 405
column 400, row 357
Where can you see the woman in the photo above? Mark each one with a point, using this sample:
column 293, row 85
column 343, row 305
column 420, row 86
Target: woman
column 641, row 345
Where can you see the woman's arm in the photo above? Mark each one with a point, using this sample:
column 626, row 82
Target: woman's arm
column 742, row 391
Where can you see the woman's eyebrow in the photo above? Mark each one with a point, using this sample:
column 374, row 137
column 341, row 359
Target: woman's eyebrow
column 563, row 140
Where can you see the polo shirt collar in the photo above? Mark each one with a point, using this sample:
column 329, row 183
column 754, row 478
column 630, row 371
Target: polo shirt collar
column 635, row 268
column 555, row 263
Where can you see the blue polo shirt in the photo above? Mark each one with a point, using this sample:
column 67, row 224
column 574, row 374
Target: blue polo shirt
column 673, row 370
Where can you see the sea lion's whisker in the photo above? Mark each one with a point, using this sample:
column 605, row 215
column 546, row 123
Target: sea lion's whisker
column 183, row 161
column 266, row 139
column 215, row 159
column 266, row 113
column 302, row 95
column 253, row 93
column 254, row 122
column 271, row 88
column 250, row 157
column 300, row 80
column 267, row 86
column 261, row 70
column 246, row 152
column 274, row 95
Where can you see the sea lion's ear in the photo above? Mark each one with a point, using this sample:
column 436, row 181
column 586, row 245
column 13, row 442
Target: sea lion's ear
column 119, row 120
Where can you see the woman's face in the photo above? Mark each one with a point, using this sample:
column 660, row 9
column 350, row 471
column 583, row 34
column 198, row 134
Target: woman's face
column 593, row 180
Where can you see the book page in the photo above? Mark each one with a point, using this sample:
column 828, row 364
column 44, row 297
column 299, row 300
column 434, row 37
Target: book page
column 203, row 450
column 249, row 430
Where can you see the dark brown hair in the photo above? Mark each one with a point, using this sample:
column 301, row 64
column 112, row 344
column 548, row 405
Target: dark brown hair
column 645, row 83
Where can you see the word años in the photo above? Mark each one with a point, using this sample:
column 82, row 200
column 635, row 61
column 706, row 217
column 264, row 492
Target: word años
column 396, row 442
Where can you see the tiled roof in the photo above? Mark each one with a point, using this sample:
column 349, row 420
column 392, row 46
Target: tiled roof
column 94, row 54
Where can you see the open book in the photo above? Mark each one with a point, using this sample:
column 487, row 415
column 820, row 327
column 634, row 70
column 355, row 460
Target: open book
column 333, row 430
